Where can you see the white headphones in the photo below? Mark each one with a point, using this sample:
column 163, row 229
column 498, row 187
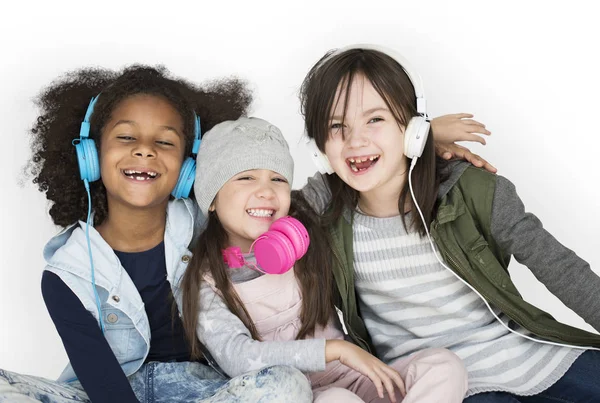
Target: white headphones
column 417, row 130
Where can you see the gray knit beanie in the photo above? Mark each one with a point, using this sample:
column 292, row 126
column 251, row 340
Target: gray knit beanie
column 235, row 146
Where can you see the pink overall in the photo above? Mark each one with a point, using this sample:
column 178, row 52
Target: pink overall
column 430, row 376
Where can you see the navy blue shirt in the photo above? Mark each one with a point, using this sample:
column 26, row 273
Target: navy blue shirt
column 89, row 353
column 148, row 271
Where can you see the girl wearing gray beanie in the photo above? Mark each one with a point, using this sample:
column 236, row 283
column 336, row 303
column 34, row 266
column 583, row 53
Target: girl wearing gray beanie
column 247, row 318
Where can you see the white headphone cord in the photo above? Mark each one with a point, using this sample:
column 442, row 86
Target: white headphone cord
column 412, row 165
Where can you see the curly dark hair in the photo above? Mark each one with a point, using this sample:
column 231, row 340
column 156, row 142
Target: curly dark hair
column 63, row 104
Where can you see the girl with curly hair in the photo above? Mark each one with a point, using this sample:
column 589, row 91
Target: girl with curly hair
column 113, row 273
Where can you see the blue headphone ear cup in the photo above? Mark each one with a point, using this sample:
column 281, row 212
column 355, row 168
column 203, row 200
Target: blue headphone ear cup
column 186, row 179
column 415, row 136
column 87, row 158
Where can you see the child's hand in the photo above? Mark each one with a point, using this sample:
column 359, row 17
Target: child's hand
column 449, row 129
column 458, row 127
column 359, row 360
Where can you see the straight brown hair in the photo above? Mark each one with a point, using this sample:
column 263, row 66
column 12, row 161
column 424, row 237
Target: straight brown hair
column 313, row 271
column 318, row 99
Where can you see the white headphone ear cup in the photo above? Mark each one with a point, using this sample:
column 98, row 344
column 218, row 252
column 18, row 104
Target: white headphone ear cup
column 415, row 136
column 320, row 159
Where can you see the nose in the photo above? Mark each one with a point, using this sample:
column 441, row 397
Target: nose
column 357, row 137
column 266, row 191
column 144, row 149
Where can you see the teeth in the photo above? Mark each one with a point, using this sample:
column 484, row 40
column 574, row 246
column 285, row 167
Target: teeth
column 363, row 159
column 353, row 161
column 151, row 174
column 260, row 212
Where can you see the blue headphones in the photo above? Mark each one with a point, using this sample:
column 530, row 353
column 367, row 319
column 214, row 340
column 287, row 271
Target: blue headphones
column 188, row 169
column 89, row 166
column 87, row 154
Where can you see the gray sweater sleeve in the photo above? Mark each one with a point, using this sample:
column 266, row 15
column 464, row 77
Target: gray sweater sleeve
column 317, row 193
column 565, row 274
column 231, row 344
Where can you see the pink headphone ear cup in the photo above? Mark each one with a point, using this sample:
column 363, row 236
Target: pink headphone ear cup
column 274, row 253
column 295, row 232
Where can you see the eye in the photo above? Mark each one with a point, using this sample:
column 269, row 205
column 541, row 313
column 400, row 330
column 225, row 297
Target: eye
column 165, row 143
column 279, row 179
column 244, row 178
column 336, row 129
column 125, row 137
column 376, row 120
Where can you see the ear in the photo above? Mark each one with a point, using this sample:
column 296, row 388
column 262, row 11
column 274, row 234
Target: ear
column 211, row 208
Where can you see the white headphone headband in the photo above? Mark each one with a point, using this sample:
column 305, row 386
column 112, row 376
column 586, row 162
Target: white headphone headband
column 413, row 76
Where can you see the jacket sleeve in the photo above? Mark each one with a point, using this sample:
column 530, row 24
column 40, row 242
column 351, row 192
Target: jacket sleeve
column 231, row 344
column 317, row 192
column 522, row 235
column 90, row 355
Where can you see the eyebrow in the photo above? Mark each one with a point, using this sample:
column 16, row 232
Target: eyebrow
column 365, row 113
column 134, row 123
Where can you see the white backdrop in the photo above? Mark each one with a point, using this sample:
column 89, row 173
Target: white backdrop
column 528, row 69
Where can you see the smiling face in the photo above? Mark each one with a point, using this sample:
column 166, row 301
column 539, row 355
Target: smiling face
column 249, row 203
column 365, row 144
column 141, row 152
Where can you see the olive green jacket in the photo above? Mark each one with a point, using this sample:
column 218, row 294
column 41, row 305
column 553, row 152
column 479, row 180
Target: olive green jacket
column 463, row 234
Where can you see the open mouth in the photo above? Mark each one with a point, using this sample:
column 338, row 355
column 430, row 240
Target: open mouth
column 140, row 175
column 360, row 164
column 260, row 213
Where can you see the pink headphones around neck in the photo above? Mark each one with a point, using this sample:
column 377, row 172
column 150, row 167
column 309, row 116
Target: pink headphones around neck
column 276, row 250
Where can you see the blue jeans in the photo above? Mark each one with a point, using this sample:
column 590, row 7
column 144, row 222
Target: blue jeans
column 161, row 382
column 580, row 384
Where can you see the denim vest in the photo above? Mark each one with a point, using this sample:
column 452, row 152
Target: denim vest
column 127, row 329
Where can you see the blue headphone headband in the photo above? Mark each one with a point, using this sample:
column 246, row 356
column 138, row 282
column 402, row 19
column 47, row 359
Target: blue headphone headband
column 197, row 131
column 84, row 132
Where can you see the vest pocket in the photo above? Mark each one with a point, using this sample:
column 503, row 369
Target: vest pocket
column 118, row 329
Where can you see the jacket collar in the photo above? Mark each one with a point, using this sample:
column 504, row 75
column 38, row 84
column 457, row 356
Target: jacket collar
column 68, row 250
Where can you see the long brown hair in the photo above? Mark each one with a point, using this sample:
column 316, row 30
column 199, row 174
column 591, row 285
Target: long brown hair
column 318, row 99
column 313, row 271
